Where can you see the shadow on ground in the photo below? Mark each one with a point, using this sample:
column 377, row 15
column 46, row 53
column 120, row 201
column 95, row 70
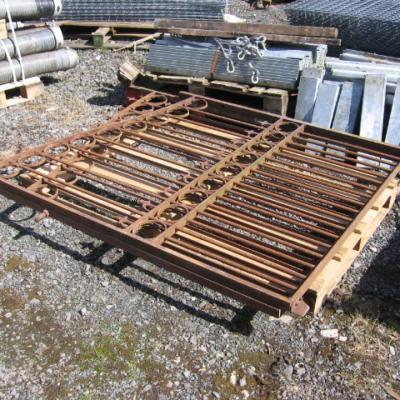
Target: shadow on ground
column 110, row 95
column 377, row 296
column 240, row 323
column 49, row 80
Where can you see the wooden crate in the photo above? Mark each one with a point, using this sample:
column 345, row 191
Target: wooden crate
column 12, row 94
column 354, row 244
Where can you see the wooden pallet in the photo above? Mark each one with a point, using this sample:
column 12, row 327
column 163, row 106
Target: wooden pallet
column 352, row 247
column 12, row 94
column 108, row 35
column 273, row 100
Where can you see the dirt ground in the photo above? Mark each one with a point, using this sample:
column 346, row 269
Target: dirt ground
column 81, row 320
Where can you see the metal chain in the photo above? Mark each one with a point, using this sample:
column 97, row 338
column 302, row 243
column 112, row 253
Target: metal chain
column 245, row 47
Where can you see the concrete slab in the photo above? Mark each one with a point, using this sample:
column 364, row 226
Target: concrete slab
column 348, row 107
column 308, row 89
column 393, row 131
column 373, row 107
column 325, row 105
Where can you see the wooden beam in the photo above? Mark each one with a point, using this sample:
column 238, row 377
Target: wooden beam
column 136, row 43
column 100, row 37
column 270, row 36
column 249, row 29
column 108, row 24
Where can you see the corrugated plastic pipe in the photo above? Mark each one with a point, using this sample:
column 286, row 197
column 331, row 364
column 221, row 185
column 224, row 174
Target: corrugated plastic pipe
column 38, row 64
column 36, row 41
column 30, row 9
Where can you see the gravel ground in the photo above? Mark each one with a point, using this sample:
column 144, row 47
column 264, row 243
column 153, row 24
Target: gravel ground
column 273, row 15
column 80, row 320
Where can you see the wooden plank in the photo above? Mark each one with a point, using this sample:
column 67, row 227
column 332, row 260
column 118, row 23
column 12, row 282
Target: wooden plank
column 276, row 101
column 330, row 277
column 325, row 104
column 141, row 41
column 348, row 108
column 373, row 107
column 230, row 85
column 108, row 24
column 3, row 29
column 393, row 131
column 271, row 37
column 99, row 37
column 308, row 90
column 249, row 29
column 128, row 72
column 110, row 45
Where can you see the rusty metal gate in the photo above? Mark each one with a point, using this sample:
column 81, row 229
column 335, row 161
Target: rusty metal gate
column 245, row 202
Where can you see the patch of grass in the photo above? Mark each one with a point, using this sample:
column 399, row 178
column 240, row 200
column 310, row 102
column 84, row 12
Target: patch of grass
column 10, row 300
column 17, row 263
column 122, row 354
column 111, row 351
column 86, row 396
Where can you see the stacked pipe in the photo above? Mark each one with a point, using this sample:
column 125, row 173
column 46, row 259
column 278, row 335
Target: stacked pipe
column 140, row 10
column 32, row 52
column 372, row 25
column 277, row 67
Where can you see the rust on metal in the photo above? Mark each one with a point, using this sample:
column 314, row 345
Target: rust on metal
column 248, row 203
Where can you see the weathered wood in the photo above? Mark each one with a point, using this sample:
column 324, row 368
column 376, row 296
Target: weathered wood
column 100, row 37
column 108, row 24
column 333, row 272
column 27, row 90
column 3, row 29
column 128, row 72
column 85, row 46
column 230, row 86
column 271, row 37
column 141, row 41
column 249, row 29
column 276, row 101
